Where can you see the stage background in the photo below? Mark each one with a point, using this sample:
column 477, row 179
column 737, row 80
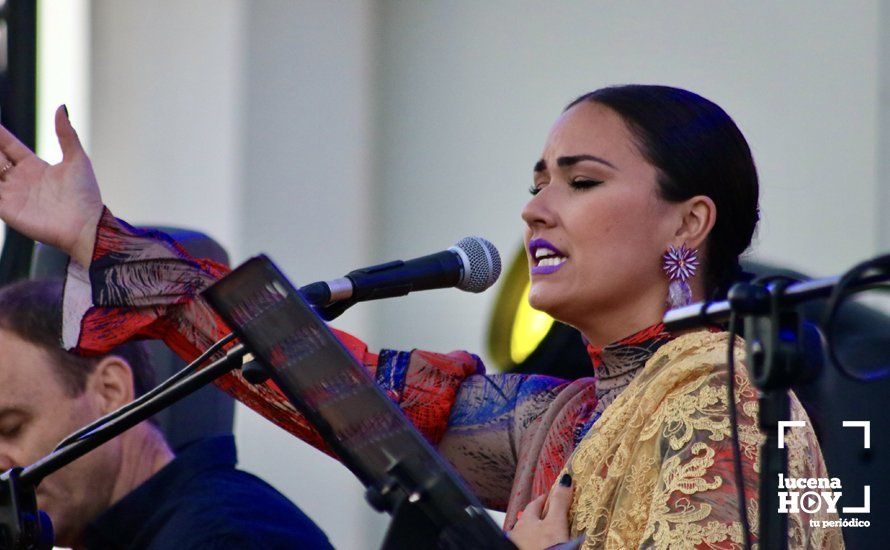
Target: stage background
column 333, row 135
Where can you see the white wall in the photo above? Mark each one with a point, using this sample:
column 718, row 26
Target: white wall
column 882, row 204
column 333, row 135
column 251, row 122
column 167, row 91
column 304, row 191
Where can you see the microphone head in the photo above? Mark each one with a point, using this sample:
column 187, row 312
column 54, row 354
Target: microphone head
column 482, row 263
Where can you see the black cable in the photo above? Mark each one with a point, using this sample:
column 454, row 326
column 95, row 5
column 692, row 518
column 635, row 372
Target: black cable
column 705, row 318
column 851, row 282
column 182, row 373
column 734, row 424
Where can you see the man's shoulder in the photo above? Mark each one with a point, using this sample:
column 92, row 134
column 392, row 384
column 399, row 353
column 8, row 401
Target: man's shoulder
column 227, row 504
column 223, row 507
column 200, row 500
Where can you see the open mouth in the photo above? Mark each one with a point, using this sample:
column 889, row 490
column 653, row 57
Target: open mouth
column 546, row 257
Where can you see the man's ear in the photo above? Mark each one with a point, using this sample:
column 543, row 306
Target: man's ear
column 111, row 382
column 698, row 217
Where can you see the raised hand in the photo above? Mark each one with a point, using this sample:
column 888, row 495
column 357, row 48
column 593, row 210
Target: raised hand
column 57, row 204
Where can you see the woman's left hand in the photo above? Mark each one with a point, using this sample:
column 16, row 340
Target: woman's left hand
column 545, row 520
column 57, row 204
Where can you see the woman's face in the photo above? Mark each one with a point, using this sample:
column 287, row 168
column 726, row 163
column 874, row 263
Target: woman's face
column 596, row 228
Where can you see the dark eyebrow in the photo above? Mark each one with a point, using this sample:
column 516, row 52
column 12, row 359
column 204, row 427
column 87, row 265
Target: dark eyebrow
column 568, row 161
column 541, row 165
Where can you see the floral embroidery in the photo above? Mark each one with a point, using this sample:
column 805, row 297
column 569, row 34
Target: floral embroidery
column 656, row 469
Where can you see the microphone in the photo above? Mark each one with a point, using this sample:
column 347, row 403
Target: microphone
column 473, row 265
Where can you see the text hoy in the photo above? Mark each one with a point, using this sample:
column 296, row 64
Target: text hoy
column 795, row 501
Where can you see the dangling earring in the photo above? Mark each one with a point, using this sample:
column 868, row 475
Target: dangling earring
column 680, row 265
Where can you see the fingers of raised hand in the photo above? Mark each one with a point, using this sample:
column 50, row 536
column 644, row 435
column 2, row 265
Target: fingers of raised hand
column 5, row 166
column 68, row 139
column 13, row 149
column 15, row 172
column 15, row 152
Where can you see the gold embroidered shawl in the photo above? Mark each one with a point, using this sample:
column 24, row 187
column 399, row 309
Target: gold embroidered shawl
column 656, row 470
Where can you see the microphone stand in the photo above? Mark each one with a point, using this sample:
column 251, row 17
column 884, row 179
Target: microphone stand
column 22, row 525
column 773, row 344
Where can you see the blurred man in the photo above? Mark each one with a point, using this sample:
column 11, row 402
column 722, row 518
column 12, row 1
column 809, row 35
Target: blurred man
column 131, row 492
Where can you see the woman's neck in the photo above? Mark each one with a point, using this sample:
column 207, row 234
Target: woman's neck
column 618, row 363
column 603, row 328
column 600, row 331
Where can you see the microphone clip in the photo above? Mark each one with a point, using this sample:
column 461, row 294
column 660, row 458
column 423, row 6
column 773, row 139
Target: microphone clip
column 331, row 311
column 22, row 525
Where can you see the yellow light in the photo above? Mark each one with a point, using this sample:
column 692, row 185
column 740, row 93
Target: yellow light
column 530, row 326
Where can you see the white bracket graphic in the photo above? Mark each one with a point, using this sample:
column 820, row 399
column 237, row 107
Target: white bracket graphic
column 788, row 424
column 865, row 508
column 866, row 432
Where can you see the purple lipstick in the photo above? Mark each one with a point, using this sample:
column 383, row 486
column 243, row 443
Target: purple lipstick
column 547, row 258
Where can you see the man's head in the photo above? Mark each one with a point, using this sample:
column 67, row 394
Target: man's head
column 47, row 393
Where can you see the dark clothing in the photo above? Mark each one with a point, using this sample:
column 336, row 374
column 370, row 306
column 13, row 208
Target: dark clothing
column 200, row 500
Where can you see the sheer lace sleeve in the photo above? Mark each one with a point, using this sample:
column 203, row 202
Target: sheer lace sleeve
column 142, row 284
column 510, row 435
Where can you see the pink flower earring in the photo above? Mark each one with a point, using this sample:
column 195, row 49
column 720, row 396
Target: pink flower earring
column 680, row 265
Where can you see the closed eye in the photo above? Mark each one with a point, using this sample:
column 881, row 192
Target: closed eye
column 8, row 432
column 584, row 183
column 12, row 422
